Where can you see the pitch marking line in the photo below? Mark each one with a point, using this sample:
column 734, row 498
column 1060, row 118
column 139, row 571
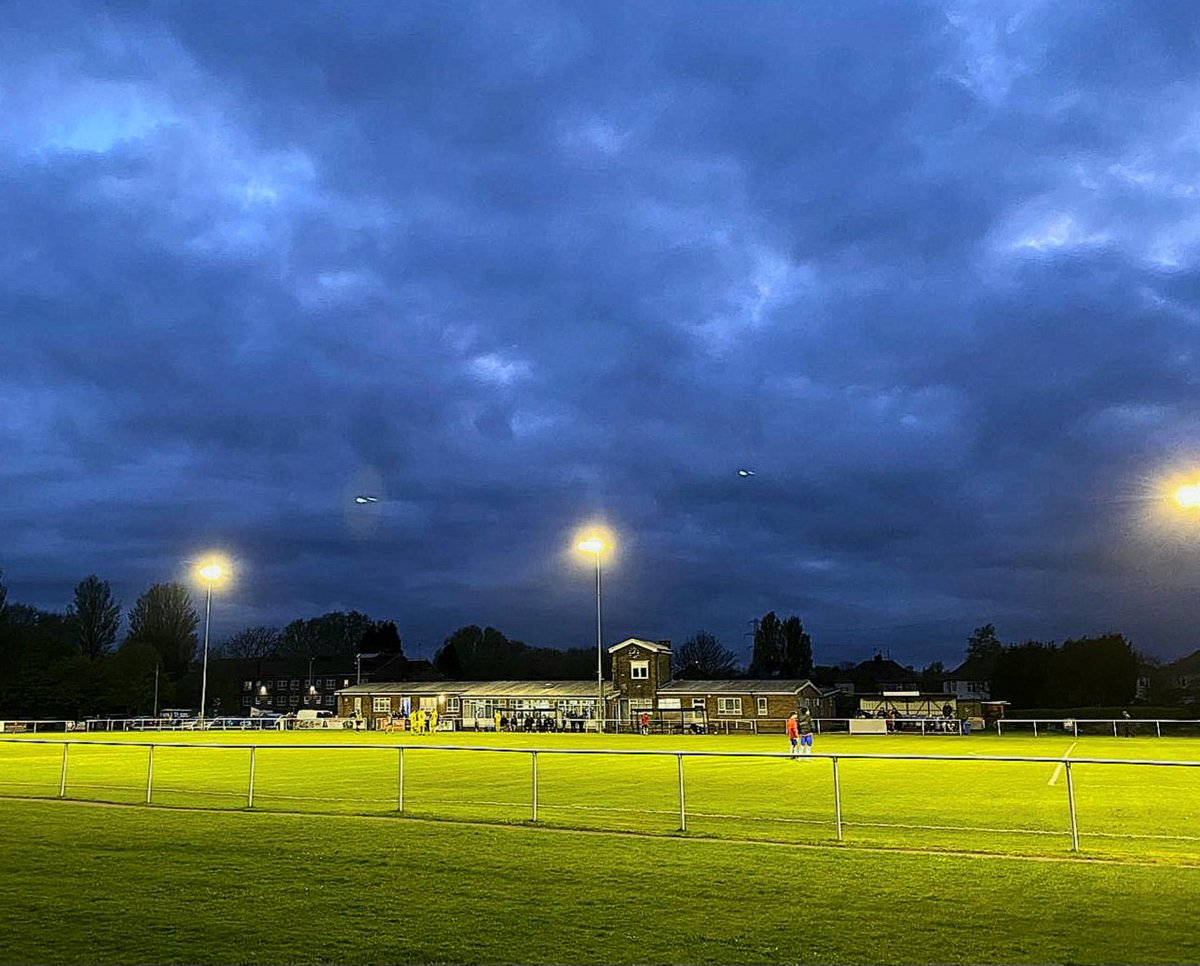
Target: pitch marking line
column 1058, row 769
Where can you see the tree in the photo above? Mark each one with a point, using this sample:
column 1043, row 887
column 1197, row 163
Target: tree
column 337, row 632
column 164, row 618
column 933, row 678
column 1026, row 675
column 252, row 642
column 797, row 659
column 3, row 592
column 703, row 656
column 381, row 637
column 984, row 644
column 768, row 647
column 95, row 616
column 475, row 654
column 1097, row 671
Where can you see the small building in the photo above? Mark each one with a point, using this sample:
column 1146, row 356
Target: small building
column 474, row 705
column 643, row 682
column 971, row 680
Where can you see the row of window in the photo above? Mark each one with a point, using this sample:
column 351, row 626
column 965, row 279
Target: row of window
column 292, row 684
column 292, row 700
column 485, row 709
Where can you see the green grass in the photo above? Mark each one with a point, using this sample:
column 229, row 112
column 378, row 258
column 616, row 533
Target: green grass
column 1003, row 807
column 101, row 884
column 942, row 861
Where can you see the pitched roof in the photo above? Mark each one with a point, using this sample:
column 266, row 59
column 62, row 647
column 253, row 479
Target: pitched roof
column 481, row 689
column 661, row 647
column 972, row 669
column 1189, row 664
column 741, row 686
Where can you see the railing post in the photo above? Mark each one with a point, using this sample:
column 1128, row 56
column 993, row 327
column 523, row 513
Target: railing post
column 534, row 756
column 150, row 774
column 1114, row 727
column 1071, row 804
column 1035, row 727
column 837, row 798
column 400, row 784
column 1158, row 727
column 1075, row 727
column 62, row 783
column 999, row 730
column 250, row 791
column 682, row 800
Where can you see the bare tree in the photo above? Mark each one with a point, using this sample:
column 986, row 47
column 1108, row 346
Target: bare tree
column 165, row 618
column 3, row 592
column 703, row 656
column 95, row 616
column 252, row 642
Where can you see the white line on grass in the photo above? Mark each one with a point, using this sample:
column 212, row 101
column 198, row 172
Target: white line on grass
column 1058, row 769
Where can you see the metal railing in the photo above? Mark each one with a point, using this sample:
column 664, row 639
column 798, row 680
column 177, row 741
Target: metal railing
column 1065, row 763
column 1120, row 727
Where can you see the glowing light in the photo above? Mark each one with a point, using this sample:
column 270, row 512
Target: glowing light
column 592, row 545
column 1188, row 495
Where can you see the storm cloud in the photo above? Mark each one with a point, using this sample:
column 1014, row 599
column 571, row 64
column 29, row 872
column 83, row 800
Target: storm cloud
column 929, row 269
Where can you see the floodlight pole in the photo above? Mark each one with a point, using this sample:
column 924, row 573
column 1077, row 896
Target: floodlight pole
column 599, row 652
column 204, row 672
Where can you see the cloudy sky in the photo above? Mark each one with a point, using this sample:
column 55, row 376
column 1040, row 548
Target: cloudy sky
column 930, row 270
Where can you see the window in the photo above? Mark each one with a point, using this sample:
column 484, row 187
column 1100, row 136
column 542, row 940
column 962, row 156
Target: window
column 381, row 704
column 729, row 705
column 762, row 705
column 245, row 700
column 247, row 685
column 698, row 704
column 295, row 684
column 294, row 700
column 639, row 670
column 453, row 704
column 331, row 699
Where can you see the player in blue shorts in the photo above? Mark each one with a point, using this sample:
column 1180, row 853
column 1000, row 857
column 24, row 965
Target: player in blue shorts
column 806, row 732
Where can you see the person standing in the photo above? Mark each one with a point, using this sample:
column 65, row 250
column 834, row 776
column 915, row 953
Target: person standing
column 806, row 732
column 793, row 733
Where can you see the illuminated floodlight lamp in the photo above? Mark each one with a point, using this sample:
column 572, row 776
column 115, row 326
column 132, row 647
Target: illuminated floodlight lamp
column 1188, row 495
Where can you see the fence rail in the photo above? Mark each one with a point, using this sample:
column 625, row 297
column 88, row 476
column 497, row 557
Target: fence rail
column 1127, row 727
column 1066, row 763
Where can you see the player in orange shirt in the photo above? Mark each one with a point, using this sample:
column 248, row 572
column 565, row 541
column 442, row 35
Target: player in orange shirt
column 793, row 733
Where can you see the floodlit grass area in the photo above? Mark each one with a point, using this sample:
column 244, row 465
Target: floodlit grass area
column 965, row 805
column 91, row 883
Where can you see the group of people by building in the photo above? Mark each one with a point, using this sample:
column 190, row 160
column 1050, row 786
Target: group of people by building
column 423, row 721
column 537, row 721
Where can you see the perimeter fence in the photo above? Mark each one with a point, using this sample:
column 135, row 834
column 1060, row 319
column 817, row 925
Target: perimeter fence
column 893, row 799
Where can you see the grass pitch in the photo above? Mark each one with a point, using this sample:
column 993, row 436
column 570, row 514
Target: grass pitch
column 969, row 805
column 942, row 861
column 114, row 885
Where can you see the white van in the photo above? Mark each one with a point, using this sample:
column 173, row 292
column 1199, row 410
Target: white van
column 314, row 718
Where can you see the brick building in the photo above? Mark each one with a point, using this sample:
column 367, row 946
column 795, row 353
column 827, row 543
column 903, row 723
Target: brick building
column 641, row 683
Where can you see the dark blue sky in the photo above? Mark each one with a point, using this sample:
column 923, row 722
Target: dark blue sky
column 930, row 269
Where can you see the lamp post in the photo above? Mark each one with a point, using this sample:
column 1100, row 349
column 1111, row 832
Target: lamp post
column 211, row 573
column 595, row 545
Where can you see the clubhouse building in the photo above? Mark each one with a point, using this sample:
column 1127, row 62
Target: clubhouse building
column 642, row 685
